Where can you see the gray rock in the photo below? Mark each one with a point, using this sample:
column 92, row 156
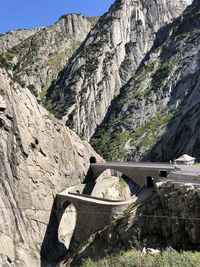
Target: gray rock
column 176, row 227
column 39, row 157
column 166, row 124
column 10, row 39
column 108, row 58
column 42, row 53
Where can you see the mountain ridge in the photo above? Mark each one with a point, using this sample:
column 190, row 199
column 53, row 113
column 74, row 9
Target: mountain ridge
column 36, row 60
column 151, row 101
column 105, row 62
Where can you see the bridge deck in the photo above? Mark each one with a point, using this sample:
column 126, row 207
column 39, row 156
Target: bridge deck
column 95, row 200
column 147, row 165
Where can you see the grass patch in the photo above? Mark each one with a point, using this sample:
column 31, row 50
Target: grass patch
column 134, row 258
column 55, row 59
column 161, row 74
column 93, row 20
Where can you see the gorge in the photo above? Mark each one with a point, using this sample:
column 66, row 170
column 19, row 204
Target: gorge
column 120, row 87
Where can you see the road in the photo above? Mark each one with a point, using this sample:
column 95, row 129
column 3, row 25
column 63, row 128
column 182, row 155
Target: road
column 149, row 165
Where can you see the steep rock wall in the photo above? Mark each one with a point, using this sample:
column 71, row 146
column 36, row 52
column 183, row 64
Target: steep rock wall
column 39, row 157
column 107, row 59
column 155, row 117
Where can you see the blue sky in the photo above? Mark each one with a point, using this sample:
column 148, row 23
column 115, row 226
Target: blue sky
column 21, row 14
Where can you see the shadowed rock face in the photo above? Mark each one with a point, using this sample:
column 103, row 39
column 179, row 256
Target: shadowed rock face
column 107, row 59
column 39, row 157
column 156, row 115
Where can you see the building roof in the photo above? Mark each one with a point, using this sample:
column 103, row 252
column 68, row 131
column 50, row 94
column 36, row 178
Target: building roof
column 185, row 157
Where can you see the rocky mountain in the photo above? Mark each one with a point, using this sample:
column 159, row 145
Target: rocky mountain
column 118, row 86
column 156, row 115
column 10, row 39
column 39, row 157
column 108, row 58
column 36, row 57
column 130, row 84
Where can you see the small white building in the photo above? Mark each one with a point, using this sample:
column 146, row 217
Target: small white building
column 185, row 160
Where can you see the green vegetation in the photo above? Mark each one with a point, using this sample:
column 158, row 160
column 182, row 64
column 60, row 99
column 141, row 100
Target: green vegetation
column 122, row 184
column 133, row 258
column 41, row 95
column 55, row 58
column 49, row 105
column 126, row 63
column 196, row 164
column 111, row 145
column 4, row 62
column 150, row 130
column 137, row 94
column 93, row 20
column 148, row 68
column 19, row 81
column 161, row 74
column 9, row 56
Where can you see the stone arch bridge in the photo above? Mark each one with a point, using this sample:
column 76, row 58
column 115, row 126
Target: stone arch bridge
column 85, row 214
column 138, row 172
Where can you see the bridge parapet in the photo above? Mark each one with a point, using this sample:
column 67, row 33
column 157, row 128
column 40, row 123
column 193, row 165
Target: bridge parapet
column 85, row 214
column 92, row 214
column 138, row 172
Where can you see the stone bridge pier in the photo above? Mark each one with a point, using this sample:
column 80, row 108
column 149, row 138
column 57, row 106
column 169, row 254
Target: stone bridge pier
column 80, row 216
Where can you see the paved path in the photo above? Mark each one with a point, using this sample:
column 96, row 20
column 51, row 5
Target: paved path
column 95, row 200
column 143, row 194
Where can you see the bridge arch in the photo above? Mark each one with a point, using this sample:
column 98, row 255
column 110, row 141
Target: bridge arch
column 93, row 160
column 150, row 182
column 67, row 223
column 97, row 170
column 136, row 172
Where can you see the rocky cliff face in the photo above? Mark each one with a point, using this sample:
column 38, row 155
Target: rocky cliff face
column 39, row 157
column 155, row 117
column 169, row 218
column 182, row 132
column 137, row 76
column 112, row 52
column 36, row 60
column 132, row 75
column 10, row 39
